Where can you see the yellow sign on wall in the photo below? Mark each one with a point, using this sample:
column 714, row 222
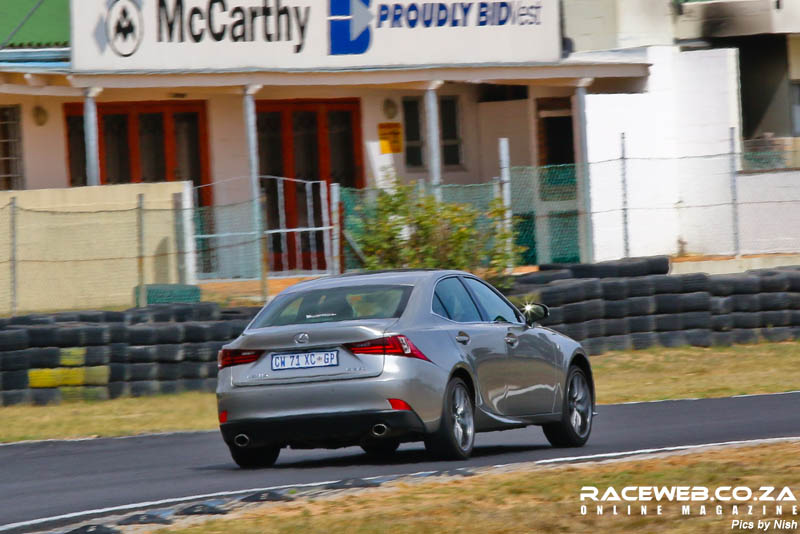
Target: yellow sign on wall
column 390, row 135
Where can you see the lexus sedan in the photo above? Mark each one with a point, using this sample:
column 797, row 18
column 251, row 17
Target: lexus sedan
column 381, row 358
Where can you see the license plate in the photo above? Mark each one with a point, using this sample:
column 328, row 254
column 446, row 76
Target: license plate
column 305, row 360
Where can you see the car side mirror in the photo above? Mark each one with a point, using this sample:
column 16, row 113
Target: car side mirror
column 534, row 313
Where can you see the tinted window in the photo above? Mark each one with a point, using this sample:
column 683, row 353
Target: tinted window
column 335, row 304
column 456, row 301
column 438, row 307
column 496, row 308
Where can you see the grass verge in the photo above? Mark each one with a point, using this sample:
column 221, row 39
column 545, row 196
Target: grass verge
column 533, row 499
column 620, row 377
column 692, row 372
column 118, row 417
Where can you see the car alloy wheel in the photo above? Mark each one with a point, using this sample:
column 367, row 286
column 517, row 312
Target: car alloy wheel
column 579, row 402
column 463, row 420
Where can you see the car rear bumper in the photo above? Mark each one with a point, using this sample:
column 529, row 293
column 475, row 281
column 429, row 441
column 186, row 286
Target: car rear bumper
column 419, row 383
column 330, row 429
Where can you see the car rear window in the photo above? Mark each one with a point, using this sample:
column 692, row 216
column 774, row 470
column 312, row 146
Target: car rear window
column 335, row 304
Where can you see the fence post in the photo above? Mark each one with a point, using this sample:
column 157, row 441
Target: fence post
column 336, row 231
column 584, row 168
column 626, row 238
column 505, row 186
column 255, row 190
column 326, row 223
column 434, row 138
column 180, row 258
column 312, row 223
column 737, row 251
column 141, row 293
column 13, row 256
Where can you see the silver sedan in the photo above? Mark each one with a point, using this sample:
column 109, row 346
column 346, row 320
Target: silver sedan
column 380, row 358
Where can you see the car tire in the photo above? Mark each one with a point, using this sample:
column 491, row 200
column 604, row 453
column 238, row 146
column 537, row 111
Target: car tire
column 255, row 457
column 380, row 448
column 569, row 431
column 455, row 437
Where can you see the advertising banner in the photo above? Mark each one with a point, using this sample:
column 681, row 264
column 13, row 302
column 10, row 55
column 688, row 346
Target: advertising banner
column 303, row 35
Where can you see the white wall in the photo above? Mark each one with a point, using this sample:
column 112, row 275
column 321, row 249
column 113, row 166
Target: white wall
column 769, row 212
column 672, row 132
column 707, row 107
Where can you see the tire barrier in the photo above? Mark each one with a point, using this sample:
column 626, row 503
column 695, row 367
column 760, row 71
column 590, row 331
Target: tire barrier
column 649, row 309
column 98, row 355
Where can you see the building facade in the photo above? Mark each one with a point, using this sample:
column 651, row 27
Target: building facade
column 362, row 92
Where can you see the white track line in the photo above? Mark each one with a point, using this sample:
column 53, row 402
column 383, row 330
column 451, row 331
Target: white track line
column 178, row 500
column 152, row 504
column 663, row 449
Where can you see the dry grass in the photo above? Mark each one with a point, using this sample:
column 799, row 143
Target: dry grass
column 620, row 377
column 119, row 417
column 696, row 372
column 528, row 499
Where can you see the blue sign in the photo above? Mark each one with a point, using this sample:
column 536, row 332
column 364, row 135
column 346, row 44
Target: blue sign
column 349, row 24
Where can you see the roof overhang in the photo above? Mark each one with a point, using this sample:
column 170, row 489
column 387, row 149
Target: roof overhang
column 517, row 74
column 54, row 77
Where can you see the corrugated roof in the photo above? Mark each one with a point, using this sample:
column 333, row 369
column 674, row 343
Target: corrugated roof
column 47, row 28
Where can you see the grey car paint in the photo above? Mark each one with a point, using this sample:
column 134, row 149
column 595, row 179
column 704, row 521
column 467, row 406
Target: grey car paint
column 516, row 383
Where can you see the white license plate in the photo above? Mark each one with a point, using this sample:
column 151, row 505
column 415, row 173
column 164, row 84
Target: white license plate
column 305, row 360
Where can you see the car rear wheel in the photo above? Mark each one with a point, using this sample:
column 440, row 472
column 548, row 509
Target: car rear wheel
column 576, row 414
column 456, row 435
column 379, row 448
column 255, row 457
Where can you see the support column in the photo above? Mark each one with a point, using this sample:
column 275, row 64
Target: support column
column 584, row 175
column 255, row 188
column 91, row 135
column 433, row 138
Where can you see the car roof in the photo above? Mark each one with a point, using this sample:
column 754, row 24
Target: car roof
column 390, row 276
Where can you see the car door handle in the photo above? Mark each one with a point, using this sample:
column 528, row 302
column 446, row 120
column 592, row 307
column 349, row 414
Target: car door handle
column 462, row 338
column 511, row 339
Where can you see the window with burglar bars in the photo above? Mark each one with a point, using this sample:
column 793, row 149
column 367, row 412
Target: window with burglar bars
column 11, row 176
column 451, row 141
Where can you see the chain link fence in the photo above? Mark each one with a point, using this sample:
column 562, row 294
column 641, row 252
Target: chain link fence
column 79, row 258
column 295, row 219
column 718, row 205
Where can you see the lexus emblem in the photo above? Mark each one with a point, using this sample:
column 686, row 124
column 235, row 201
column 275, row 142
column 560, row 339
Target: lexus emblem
column 301, row 338
column 124, row 27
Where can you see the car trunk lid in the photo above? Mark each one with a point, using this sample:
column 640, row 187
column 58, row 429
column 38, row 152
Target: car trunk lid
column 313, row 344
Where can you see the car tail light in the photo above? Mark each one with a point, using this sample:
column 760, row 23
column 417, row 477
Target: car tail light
column 390, row 346
column 399, row 404
column 229, row 357
column 223, row 416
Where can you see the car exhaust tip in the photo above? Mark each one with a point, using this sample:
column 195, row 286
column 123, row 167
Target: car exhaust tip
column 379, row 430
column 242, row 440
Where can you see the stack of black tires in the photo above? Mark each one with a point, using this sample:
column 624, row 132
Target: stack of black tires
column 655, row 309
column 97, row 355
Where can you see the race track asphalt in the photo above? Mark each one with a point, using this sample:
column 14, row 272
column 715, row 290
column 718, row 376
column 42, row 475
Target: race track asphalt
column 45, row 479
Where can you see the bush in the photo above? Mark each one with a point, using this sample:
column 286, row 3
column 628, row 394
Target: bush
column 409, row 228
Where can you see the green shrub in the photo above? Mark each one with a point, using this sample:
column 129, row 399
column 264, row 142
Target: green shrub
column 407, row 227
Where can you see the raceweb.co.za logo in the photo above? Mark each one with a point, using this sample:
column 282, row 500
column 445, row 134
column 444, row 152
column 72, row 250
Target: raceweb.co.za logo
column 349, row 22
column 124, row 27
